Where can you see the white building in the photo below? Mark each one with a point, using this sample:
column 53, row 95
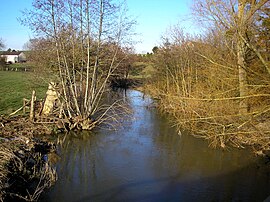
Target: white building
column 14, row 56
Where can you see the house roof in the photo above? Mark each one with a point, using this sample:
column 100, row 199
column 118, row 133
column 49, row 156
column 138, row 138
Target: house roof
column 11, row 53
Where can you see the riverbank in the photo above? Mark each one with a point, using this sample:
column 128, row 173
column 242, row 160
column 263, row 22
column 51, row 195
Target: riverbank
column 200, row 83
column 216, row 121
column 24, row 167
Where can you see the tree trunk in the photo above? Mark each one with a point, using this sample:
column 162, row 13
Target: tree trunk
column 241, row 62
column 243, row 105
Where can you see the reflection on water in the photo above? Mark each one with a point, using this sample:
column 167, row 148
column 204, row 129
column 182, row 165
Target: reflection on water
column 146, row 160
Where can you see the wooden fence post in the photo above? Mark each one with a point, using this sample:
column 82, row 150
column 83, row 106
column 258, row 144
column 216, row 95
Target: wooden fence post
column 32, row 107
column 24, row 105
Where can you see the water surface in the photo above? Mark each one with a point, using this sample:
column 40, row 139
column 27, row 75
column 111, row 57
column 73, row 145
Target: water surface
column 146, row 160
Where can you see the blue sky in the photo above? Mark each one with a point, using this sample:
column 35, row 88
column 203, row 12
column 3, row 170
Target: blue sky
column 13, row 34
column 153, row 18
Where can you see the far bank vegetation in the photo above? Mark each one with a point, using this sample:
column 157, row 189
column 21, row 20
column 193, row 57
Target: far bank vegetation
column 217, row 85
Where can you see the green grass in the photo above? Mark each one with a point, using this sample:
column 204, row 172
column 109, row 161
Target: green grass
column 142, row 70
column 14, row 86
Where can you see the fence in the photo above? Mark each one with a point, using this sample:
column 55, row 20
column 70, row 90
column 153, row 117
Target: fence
column 16, row 69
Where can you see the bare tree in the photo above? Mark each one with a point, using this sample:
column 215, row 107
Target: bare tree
column 234, row 18
column 79, row 32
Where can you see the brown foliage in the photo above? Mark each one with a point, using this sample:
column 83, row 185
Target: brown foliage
column 197, row 82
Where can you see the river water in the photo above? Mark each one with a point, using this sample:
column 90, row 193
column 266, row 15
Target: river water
column 147, row 160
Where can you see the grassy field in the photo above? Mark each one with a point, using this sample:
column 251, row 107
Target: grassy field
column 142, row 70
column 14, row 86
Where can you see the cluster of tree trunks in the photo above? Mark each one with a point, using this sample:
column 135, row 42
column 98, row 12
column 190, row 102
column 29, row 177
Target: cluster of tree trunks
column 81, row 44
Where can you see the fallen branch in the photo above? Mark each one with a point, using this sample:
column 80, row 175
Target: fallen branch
column 25, row 104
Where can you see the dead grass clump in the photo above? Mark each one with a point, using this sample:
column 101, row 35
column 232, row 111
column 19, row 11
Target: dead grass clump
column 6, row 154
column 24, row 172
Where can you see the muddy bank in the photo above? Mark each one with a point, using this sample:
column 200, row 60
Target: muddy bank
column 11, row 127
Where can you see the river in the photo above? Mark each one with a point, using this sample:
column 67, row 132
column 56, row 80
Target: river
column 147, row 160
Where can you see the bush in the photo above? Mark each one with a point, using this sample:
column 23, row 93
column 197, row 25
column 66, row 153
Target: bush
column 197, row 83
column 2, row 62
